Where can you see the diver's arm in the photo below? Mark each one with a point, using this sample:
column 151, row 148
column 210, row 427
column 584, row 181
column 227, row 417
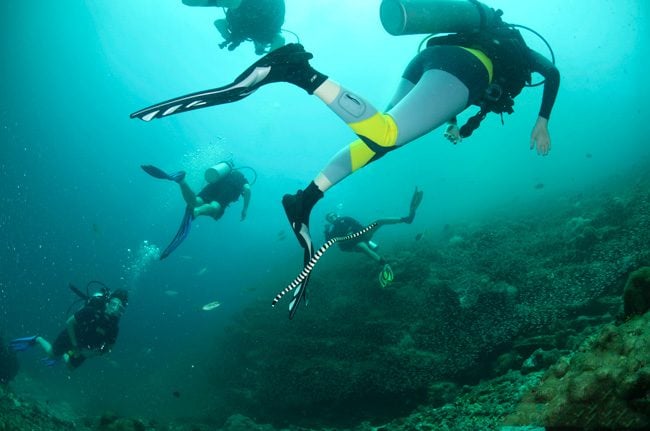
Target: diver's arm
column 540, row 137
column 551, row 74
column 70, row 325
column 246, row 193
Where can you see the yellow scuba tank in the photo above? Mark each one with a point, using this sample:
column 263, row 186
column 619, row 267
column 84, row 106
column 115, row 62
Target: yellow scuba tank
column 401, row 17
column 215, row 173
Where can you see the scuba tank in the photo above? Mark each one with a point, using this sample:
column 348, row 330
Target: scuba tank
column 100, row 296
column 215, row 173
column 400, row 17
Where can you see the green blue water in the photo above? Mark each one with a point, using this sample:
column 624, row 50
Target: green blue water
column 75, row 205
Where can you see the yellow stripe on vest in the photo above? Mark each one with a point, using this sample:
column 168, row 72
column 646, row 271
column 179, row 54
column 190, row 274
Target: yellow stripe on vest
column 483, row 59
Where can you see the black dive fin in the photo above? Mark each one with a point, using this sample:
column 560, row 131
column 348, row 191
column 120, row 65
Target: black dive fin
column 181, row 234
column 258, row 74
column 162, row 175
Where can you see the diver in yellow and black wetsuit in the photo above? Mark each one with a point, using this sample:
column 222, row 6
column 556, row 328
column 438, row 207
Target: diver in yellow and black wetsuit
column 439, row 83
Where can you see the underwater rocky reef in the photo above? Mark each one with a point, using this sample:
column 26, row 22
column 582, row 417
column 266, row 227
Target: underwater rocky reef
column 535, row 318
column 8, row 363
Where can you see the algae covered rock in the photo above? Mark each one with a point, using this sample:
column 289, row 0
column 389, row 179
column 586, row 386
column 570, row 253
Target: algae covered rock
column 636, row 296
column 604, row 385
column 8, row 363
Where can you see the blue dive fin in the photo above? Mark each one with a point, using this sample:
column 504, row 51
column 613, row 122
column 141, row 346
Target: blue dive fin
column 181, row 234
column 22, row 344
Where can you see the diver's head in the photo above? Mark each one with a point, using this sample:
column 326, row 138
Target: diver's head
column 117, row 302
column 331, row 217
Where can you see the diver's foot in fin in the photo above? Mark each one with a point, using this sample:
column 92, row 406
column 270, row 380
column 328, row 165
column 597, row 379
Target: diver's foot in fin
column 416, row 199
column 177, row 177
column 386, row 276
column 155, row 172
column 289, row 63
column 49, row 362
column 22, row 344
column 298, row 209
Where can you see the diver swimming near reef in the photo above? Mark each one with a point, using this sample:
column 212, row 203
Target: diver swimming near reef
column 484, row 62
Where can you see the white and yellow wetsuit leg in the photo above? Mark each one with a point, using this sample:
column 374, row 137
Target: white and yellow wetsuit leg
column 431, row 95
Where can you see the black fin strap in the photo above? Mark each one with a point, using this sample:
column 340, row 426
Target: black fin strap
column 307, row 269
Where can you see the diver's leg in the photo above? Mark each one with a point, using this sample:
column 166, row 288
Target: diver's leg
column 403, row 88
column 378, row 133
column 436, row 97
column 45, row 345
column 213, row 209
column 414, row 116
column 188, row 195
column 388, row 220
column 365, row 249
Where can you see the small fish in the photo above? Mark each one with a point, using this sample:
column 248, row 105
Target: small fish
column 202, row 271
column 539, row 186
column 211, row 306
column 588, row 155
column 176, row 394
column 171, row 292
column 418, row 237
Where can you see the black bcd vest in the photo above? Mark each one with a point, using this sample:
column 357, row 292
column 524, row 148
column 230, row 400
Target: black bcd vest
column 506, row 48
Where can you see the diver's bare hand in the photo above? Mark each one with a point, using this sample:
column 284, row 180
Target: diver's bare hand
column 540, row 138
column 453, row 133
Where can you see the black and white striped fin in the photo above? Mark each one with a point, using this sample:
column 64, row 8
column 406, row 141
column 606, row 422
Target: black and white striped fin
column 301, row 280
column 202, row 99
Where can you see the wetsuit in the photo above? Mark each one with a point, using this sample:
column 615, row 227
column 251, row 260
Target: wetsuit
column 225, row 191
column 343, row 226
column 438, row 84
column 94, row 329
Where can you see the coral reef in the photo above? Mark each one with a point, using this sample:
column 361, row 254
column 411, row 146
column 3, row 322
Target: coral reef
column 527, row 319
column 8, row 363
column 477, row 302
column 636, row 294
column 604, row 384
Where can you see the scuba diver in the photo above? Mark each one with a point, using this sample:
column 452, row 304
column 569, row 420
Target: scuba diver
column 225, row 185
column 341, row 226
column 485, row 62
column 90, row 331
column 257, row 20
